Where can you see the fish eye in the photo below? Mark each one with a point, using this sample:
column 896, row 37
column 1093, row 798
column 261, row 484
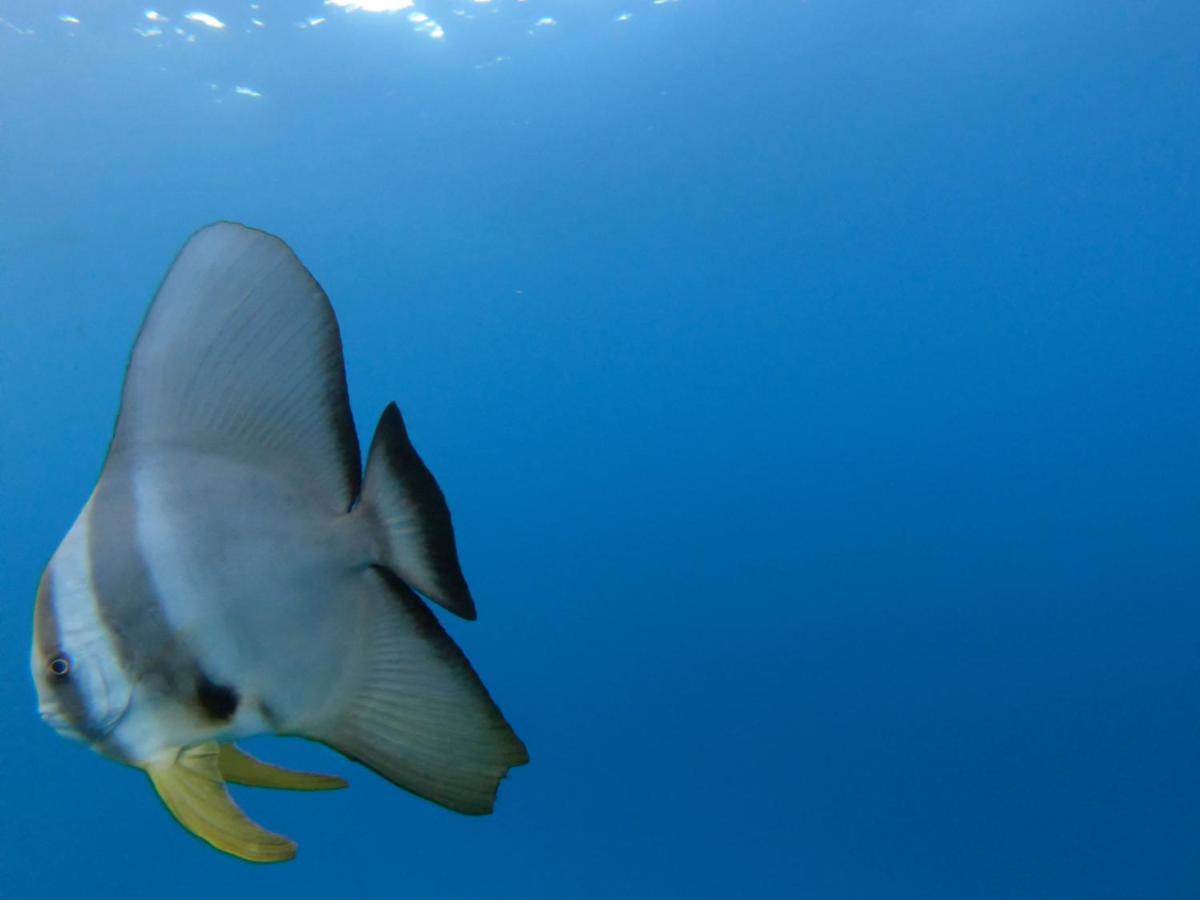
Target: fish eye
column 59, row 666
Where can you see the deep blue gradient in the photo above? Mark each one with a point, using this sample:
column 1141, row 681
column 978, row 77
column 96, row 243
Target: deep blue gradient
column 814, row 385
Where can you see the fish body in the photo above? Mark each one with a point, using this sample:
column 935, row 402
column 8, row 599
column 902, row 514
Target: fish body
column 235, row 572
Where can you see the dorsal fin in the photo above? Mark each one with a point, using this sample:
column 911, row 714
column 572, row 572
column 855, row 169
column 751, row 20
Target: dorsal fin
column 240, row 355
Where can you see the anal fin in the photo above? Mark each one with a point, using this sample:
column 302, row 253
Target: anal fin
column 420, row 716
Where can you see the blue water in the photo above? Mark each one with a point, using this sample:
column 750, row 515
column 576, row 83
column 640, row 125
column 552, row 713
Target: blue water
column 814, row 385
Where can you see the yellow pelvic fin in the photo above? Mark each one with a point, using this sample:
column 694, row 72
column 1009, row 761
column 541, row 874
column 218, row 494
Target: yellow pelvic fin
column 190, row 784
column 239, row 767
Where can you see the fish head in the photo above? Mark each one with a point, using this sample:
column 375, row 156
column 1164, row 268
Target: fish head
column 82, row 691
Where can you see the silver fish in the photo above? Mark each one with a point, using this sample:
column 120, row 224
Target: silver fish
column 236, row 572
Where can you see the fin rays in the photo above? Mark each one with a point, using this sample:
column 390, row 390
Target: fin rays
column 240, row 354
column 191, row 784
column 402, row 497
column 239, row 767
column 193, row 790
column 420, row 716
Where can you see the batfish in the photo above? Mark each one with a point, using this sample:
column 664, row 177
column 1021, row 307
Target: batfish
column 236, row 571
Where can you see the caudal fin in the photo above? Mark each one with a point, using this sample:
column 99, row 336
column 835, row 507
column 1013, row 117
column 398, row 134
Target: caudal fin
column 409, row 513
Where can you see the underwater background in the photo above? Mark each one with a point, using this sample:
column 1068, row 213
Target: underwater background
column 814, row 385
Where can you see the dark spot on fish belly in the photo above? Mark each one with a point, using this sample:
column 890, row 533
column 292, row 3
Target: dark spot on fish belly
column 219, row 701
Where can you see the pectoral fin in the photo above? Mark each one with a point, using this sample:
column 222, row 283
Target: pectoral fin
column 191, row 786
column 239, row 767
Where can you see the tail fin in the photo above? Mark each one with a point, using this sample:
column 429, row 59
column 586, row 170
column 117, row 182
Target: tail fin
column 409, row 511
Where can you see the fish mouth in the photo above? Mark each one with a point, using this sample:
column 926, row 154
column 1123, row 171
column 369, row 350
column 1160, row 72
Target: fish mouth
column 56, row 720
column 90, row 731
column 64, row 726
